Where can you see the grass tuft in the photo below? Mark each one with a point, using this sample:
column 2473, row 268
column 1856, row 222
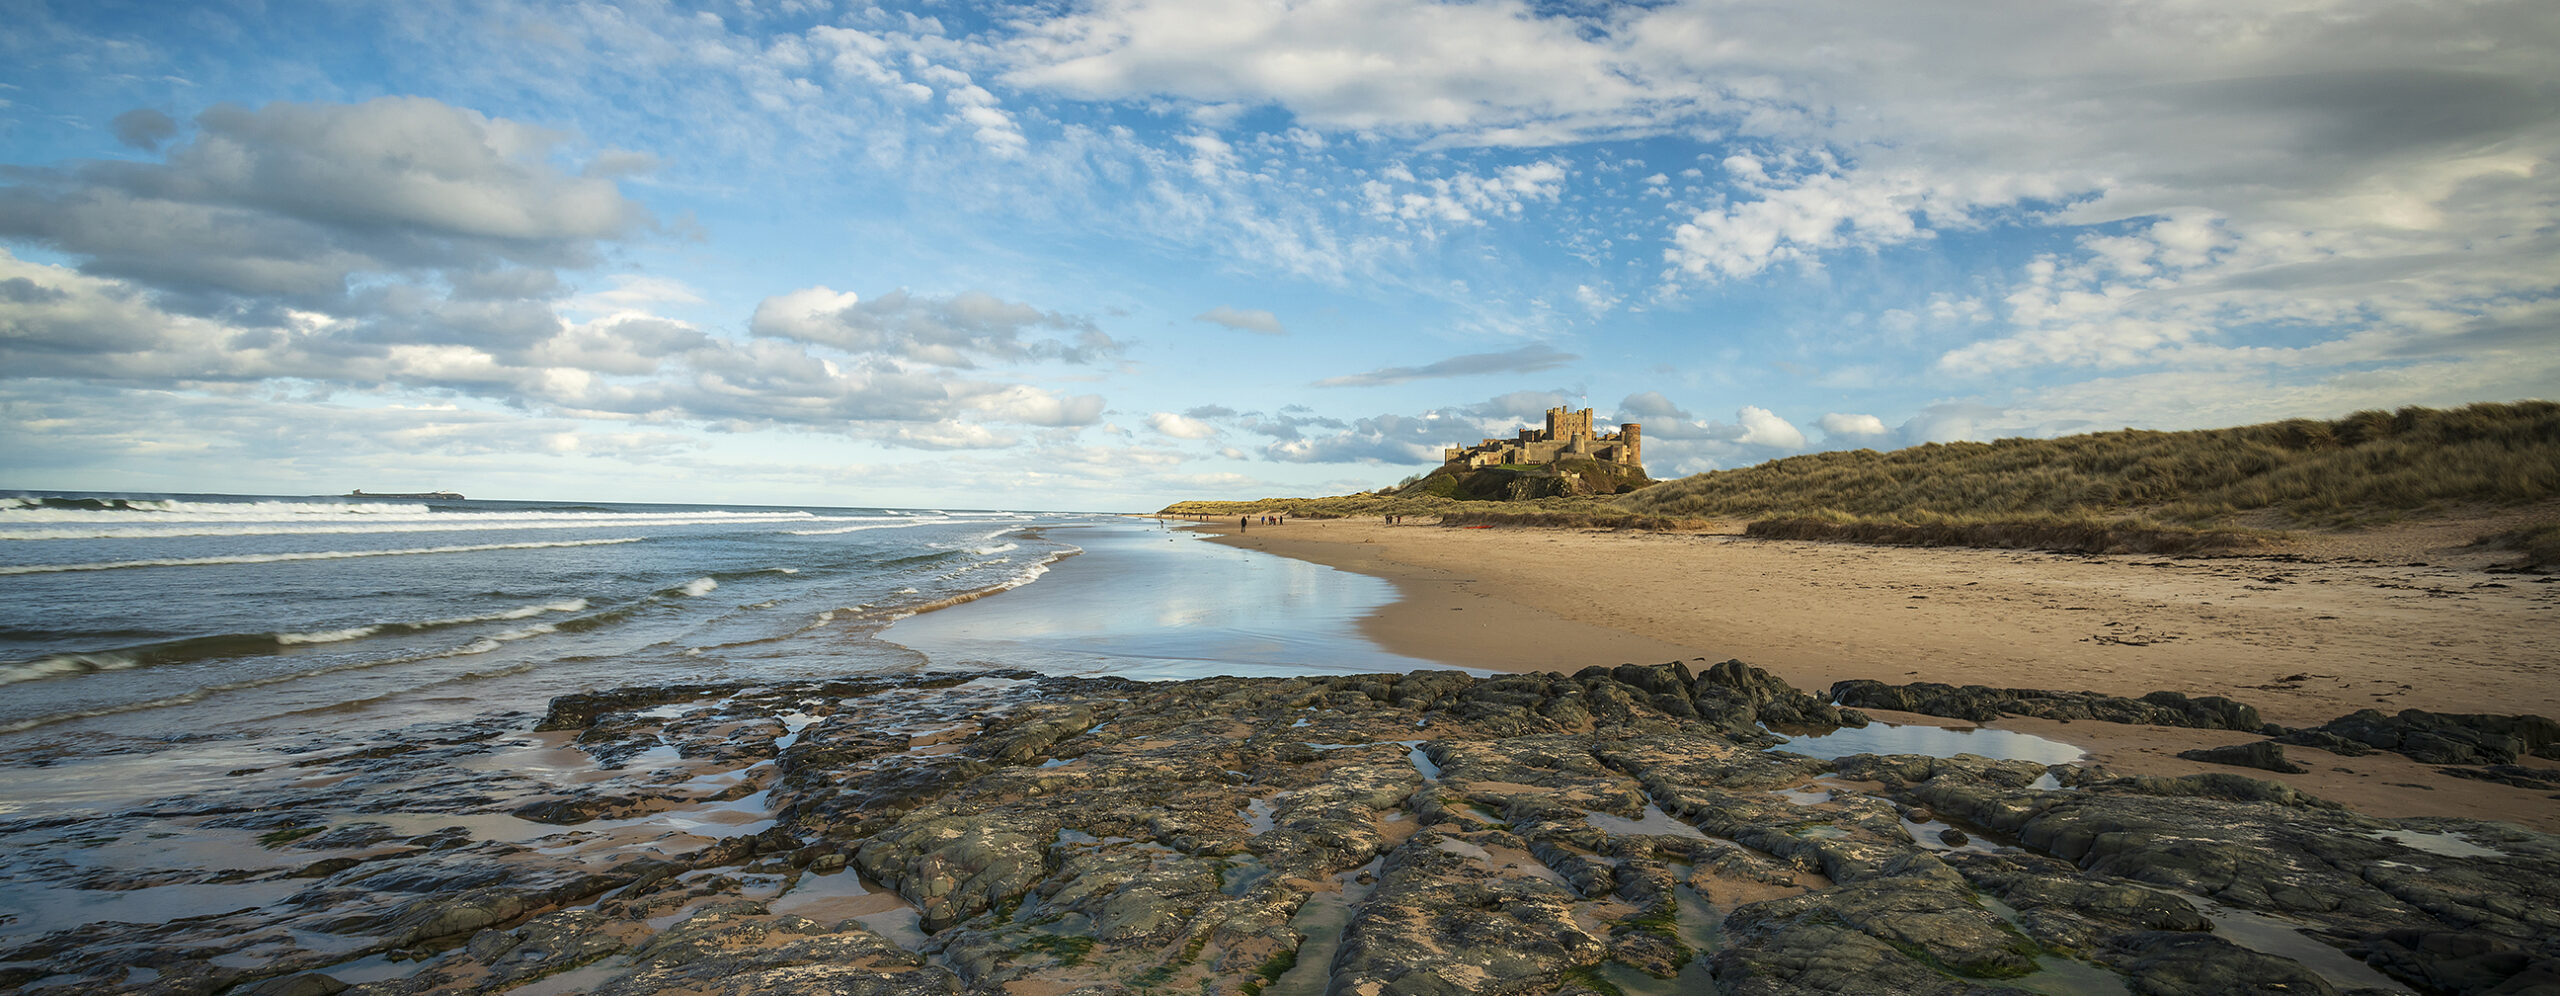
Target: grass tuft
column 2368, row 467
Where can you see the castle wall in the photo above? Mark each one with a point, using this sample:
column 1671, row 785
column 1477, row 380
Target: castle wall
column 1568, row 434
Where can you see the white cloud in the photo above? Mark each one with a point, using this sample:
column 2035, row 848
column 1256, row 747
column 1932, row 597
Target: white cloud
column 1595, row 300
column 1843, row 427
column 1463, row 197
column 1243, row 320
column 1762, row 427
column 1526, row 359
column 1180, row 427
column 297, row 200
column 62, row 324
column 949, row 435
column 1650, row 404
column 1799, row 220
column 959, row 331
column 1494, row 71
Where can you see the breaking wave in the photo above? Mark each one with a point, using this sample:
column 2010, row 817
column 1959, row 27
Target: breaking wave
column 246, row 644
column 272, row 558
column 1030, row 572
column 294, row 519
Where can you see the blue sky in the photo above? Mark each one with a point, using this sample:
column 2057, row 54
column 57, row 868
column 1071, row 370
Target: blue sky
column 1110, row 255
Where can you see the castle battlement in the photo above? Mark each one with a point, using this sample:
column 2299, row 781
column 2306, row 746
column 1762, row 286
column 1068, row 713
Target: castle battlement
column 1568, row 436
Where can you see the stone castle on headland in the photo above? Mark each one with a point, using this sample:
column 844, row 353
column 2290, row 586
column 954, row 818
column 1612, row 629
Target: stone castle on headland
column 1568, row 436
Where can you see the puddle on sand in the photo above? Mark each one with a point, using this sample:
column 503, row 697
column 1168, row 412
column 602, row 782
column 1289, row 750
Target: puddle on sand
column 372, row 968
column 1808, row 795
column 2284, row 939
column 1654, row 822
column 1414, row 751
column 1926, row 834
column 2446, row 844
column 1242, row 875
column 576, row 980
column 1257, row 815
column 903, row 926
column 1933, row 741
column 1320, row 920
column 792, row 723
column 835, row 897
column 36, row 904
column 1701, row 930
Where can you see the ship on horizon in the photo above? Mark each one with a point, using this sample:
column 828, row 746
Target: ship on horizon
column 414, row 496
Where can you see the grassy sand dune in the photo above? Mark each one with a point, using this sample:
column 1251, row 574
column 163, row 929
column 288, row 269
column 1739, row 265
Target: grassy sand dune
column 2129, row 490
column 2368, row 467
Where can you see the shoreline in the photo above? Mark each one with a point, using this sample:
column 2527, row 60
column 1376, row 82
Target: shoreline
column 2420, row 629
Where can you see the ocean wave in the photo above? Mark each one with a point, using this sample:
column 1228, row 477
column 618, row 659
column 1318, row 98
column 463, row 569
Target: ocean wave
column 1030, row 572
column 695, row 588
column 248, row 644
column 20, row 526
column 19, row 726
column 902, row 523
column 270, row 558
column 327, row 636
column 177, row 508
column 476, row 646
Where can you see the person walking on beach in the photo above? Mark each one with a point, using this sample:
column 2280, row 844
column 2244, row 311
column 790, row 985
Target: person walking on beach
column 1241, row 521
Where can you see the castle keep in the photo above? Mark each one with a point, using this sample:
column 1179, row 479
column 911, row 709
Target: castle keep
column 1568, row 436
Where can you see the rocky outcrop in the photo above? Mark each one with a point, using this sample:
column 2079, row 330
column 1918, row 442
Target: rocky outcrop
column 2436, row 738
column 1376, row 834
column 1983, row 704
column 2264, row 755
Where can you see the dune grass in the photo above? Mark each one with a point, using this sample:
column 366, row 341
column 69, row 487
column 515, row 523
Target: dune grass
column 2367, row 468
column 2125, row 491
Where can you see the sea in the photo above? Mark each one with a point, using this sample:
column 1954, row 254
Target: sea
column 138, row 618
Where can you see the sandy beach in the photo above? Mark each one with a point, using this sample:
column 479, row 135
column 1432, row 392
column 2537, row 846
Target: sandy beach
column 2389, row 621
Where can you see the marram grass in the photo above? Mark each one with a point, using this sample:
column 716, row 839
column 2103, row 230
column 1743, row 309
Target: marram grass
column 2126, row 491
column 2366, row 468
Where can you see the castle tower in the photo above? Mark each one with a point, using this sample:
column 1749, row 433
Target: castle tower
column 1631, row 442
column 1564, row 424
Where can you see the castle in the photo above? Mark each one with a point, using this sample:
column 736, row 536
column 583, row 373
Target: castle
column 1568, row 436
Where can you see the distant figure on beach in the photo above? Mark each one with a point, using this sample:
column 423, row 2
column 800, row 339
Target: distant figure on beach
column 1241, row 522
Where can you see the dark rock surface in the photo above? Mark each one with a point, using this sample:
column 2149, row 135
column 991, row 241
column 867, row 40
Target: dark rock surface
column 1619, row 829
column 1983, row 704
column 2436, row 737
column 2264, row 755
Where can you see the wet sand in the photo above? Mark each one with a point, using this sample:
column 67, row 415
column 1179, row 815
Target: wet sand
column 2386, row 621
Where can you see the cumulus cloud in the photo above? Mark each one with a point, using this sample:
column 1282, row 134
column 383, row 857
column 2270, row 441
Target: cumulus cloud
column 144, row 128
column 957, row 331
column 292, row 201
column 1181, row 427
column 1650, row 404
column 64, row 324
column 1392, row 439
column 1526, row 359
column 949, row 435
column 1494, row 72
column 1849, row 428
column 2242, row 174
column 1243, row 320
column 1762, row 427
